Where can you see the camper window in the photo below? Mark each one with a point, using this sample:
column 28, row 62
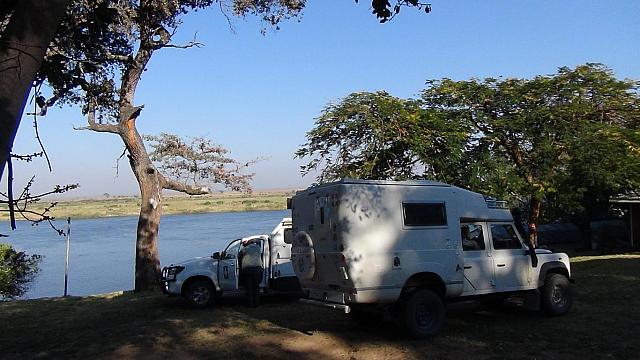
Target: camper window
column 424, row 214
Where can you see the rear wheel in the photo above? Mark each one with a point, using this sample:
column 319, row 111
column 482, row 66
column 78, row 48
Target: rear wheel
column 422, row 314
column 556, row 297
column 200, row 293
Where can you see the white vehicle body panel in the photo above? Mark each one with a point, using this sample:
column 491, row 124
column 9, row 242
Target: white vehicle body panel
column 367, row 245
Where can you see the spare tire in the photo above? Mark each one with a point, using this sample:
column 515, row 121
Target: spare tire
column 303, row 257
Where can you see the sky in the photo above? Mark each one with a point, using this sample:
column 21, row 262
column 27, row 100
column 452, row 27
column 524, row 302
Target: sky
column 259, row 94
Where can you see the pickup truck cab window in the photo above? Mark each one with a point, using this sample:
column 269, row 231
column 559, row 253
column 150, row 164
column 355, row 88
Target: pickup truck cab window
column 472, row 237
column 504, row 237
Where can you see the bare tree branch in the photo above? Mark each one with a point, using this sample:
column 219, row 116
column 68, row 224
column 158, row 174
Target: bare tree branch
column 170, row 184
column 35, row 127
column 94, row 126
column 190, row 44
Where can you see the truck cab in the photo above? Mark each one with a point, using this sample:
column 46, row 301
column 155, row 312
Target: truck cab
column 202, row 280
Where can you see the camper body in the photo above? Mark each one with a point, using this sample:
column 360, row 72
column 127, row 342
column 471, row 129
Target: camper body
column 371, row 246
column 201, row 280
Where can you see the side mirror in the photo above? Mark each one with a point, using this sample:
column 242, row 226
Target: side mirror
column 216, row 255
column 288, row 236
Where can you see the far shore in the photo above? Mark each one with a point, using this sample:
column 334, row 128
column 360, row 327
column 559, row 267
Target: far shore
column 130, row 206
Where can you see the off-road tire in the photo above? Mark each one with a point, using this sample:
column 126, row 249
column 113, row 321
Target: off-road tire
column 422, row 314
column 200, row 294
column 555, row 296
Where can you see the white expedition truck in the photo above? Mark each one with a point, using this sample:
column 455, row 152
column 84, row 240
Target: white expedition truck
column 201, row 280
column 406, row 248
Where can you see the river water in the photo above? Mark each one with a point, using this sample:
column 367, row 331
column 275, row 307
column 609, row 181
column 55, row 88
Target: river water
column 102, row 253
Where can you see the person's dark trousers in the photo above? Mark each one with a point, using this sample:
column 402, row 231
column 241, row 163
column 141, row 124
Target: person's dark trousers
column 252, row 278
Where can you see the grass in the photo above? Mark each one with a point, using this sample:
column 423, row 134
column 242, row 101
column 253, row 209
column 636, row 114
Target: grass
column 130, row 206
column 603, row 323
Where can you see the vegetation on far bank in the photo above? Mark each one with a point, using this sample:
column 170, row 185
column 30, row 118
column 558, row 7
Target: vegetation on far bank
column 602, row 324
column 130, row 206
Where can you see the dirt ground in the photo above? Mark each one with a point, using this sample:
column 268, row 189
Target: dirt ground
column 603, row 324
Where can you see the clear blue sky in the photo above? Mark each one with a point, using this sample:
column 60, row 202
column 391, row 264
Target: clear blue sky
column 258, row 95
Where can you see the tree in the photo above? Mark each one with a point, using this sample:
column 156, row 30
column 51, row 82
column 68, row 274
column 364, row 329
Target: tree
column 569, row 140
column 379, row 136
column 364, row 136
column 17, row 270
column 540, row 128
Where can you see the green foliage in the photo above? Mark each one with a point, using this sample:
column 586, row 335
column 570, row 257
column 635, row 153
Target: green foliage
column 569, row 140
column 378, row 136
column 563, row 137
column 17, row 270
column 364, row 136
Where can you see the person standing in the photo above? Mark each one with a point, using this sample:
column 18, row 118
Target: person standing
column 251, row 270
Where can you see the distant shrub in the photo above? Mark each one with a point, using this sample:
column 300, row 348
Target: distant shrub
column 206, row 203
column 17, row 270
column 219, row 202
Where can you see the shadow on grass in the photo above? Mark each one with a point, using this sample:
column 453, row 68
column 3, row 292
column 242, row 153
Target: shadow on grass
column 603, row 323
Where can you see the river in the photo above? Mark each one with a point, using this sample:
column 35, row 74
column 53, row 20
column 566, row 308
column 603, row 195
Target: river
column 102, row 253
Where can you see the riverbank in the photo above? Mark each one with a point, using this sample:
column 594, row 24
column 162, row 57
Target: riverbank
column 602, row 325
column 130, row 206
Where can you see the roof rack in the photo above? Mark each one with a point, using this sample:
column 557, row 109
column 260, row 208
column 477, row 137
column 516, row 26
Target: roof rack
column 492, row 203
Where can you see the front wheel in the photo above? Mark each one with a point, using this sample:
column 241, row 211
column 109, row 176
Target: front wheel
column 556, row 297
column 422, row 314
column 200, row 293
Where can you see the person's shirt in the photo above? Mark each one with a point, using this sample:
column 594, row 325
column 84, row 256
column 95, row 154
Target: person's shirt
column 251, row 256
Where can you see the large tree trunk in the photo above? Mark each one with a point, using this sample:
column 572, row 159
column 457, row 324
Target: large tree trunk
column 147, row 275
column 147, row 257
column 534, row 217
column 23, row 45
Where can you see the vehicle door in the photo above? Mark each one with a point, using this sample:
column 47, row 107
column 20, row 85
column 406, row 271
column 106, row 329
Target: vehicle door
column 228, row 267
column 511, row 261
column 478, row 263
column 280, row 253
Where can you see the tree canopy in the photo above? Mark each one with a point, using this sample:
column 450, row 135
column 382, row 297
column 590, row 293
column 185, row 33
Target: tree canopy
column 569, row 139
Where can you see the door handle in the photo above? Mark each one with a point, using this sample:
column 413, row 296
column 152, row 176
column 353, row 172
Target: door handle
column 468, row 267
column 502, row 265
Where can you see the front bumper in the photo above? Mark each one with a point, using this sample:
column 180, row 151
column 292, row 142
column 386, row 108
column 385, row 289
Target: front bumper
column 170, row 286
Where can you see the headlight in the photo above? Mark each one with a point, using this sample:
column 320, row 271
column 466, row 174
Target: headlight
column 169, row 273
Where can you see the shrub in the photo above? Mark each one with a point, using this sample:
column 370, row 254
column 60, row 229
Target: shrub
column 17, row 270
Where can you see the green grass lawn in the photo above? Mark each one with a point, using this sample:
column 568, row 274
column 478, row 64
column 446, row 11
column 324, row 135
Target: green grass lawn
column 130, row 206
column 603, row 324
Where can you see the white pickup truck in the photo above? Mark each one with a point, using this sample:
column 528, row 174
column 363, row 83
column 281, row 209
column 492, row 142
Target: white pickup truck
column 201, row 280
column 406, row 248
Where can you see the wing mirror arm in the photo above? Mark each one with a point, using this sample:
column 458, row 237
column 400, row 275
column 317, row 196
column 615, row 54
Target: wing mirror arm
column 531, row 251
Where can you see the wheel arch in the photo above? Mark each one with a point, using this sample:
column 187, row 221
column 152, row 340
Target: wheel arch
column 425, row 280
column 552, row 267
column 189, row 281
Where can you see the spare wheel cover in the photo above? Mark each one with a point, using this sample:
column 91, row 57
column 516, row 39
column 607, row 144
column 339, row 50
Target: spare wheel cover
column 303, row 256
